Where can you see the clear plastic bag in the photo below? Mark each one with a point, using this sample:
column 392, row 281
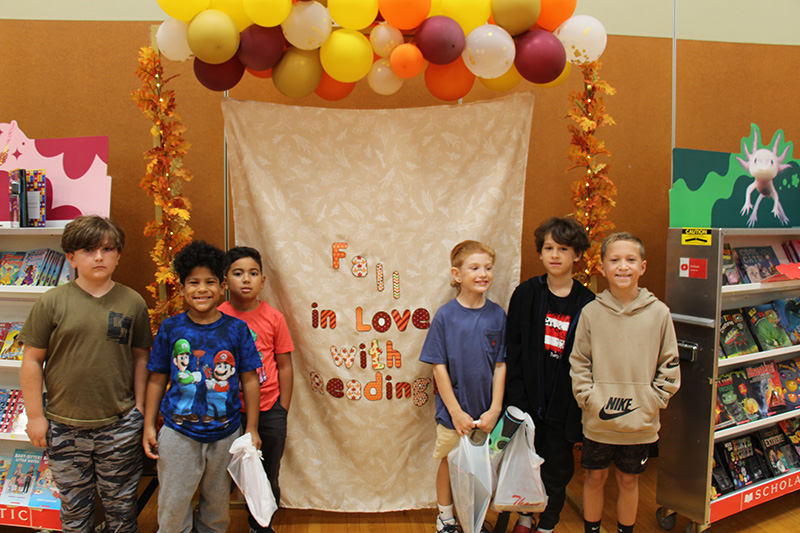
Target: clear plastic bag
column 248, row 473
column 519, row 484
column 471, row 480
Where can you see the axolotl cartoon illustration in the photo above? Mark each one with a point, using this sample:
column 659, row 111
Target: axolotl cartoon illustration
column 764, row 165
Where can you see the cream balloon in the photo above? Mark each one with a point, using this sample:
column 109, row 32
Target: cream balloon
column 584, row 38
column 171, row 40
column 489, row 51
column 382, row 79
column 307, row 26
column 385, row 38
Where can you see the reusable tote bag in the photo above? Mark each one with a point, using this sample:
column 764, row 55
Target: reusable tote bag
column 519, row 484
column 471, row 480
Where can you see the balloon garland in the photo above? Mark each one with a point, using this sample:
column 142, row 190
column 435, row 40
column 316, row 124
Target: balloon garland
column 593, row 193
column 162, row 181
column 305, row 42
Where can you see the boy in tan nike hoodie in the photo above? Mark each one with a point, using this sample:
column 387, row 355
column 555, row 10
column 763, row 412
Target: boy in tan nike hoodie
column 624, row 368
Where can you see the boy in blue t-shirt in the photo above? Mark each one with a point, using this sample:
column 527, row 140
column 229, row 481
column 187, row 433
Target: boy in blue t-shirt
column 466, row 346
column 204, row 356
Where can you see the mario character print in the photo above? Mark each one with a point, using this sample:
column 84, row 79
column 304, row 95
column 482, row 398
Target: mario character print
column 217, row 384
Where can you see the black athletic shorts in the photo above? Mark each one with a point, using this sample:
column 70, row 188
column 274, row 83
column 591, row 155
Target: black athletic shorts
column 629, row 458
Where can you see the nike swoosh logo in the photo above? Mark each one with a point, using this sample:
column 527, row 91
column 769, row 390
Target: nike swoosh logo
column 604, row 415
column 672, row 363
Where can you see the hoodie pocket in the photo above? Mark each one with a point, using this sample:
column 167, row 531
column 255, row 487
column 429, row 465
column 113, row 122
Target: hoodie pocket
column 622, row 407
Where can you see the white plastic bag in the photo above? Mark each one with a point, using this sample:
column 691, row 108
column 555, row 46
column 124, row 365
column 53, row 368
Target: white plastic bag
column 247, row 472
column 519, row 484
column 471, row 480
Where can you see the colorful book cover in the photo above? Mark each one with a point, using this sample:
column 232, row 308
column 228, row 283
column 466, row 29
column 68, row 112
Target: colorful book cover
column 21, row 476
column 741, row 385
column 31, row 266
column 56, row 272
column 766, row 327
column 65, row 275
column 9, row 267
column 5, row 462
column 794, row 244
column 722, row 418
column 780, row 455
column 719, row 476
column 765, row 388
column 730, row 272
column 35, row 190
column 5, row 327
column 791, row 428
column 47, row 264
column 726, row 391
column 788, row 249
column 10, row 410
column 790, row 380
column 788, row 310
column 734, row 334
column 757, row 262
column 12, row 346
column 17, row 202
column 743, row 462
column 45, row 494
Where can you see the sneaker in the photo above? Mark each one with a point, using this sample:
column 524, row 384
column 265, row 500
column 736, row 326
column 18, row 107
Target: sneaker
column 521, row 529
column 446, row 527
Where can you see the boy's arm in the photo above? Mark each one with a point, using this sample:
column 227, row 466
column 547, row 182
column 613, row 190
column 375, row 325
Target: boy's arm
column 489, row 418
column 156, row 385
column 580, row 361
column 462, row 422
column 31, row 376
column 140, row 358
column 285, row 378
column 667, row 378
column 252, row 401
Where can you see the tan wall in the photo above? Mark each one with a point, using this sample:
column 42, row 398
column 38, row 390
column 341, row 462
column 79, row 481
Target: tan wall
column 68, row 79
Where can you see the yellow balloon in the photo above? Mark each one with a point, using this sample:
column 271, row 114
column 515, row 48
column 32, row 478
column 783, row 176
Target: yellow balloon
column 267, row 13
column 298, row 72
column 506, row 82
column 516, row 16
column 468, row 13
column 346, row 56
column 353, row 14
column 183, row 9
column 560, row 79
column 436, row 8
column 212, row 36
column 234, row 9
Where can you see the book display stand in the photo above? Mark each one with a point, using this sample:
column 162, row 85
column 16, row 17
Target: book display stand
column 697, row 298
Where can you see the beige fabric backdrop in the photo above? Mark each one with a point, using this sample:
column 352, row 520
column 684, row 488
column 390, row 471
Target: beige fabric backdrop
column 399, row 187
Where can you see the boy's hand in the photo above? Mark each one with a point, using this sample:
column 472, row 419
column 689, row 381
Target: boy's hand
column 150, row 442
column 488, row 421
column 462, row 422
column 37, row 431
column 256, row 439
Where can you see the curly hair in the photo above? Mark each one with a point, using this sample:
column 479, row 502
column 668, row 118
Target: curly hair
column 199, row 254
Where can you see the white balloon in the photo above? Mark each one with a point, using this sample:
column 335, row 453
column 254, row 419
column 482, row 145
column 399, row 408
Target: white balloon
column 307, row 26
column 382, row 79
column 385, row 38
column 489, row 51
column 171, row 40
column 584, row 38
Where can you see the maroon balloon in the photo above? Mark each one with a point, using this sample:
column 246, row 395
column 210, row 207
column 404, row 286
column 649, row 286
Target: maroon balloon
column 260, row 48
column 540, row 56
column 440, row 39
column 219, row 77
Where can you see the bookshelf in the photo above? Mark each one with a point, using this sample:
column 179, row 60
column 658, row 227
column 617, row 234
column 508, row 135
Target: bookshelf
column 687, row 434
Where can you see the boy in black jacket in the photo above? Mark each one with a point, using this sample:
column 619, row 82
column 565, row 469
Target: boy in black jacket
column 540, row 331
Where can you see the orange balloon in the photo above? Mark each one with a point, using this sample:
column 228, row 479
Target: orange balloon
column 260, row 73
column 404, row 14
column 555, row 12
column 449, row 82
column 331, row 89
column 406, row 60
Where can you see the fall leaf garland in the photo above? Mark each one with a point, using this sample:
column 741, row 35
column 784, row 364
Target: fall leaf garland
column 593, row 193
column 163, row 178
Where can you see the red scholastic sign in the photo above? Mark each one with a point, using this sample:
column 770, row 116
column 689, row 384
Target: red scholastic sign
column 29, row 517
column 691, row 267
column 755, row 495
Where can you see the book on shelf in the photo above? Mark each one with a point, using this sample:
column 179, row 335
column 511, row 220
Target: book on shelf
column 780, row 455
column 9, row 267
column 12, row 347
column 789, row 250
column 757, row 263
column 743, row 461
column 765, row 388
column 36, row 195
column 730, row 272
column 788, row 310
column 722, row 418
column 732, row 400
column 65, row 275
column 791, row 428
column 720, row 480
column 734, row 334
column 45, row 494
column 17, row 201
column 5, row 462
column 766, row 327
column 790, row 381
column 21, row 477
column 31, row 267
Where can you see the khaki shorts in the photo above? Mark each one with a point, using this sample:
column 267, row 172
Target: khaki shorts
column 446, row 441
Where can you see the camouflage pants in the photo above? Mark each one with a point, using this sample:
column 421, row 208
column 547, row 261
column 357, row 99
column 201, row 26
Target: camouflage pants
column 107, row 460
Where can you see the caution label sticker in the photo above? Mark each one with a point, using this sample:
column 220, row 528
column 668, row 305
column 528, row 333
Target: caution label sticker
column 696, row 236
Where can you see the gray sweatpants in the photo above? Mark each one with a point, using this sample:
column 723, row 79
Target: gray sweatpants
column 185, row 465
